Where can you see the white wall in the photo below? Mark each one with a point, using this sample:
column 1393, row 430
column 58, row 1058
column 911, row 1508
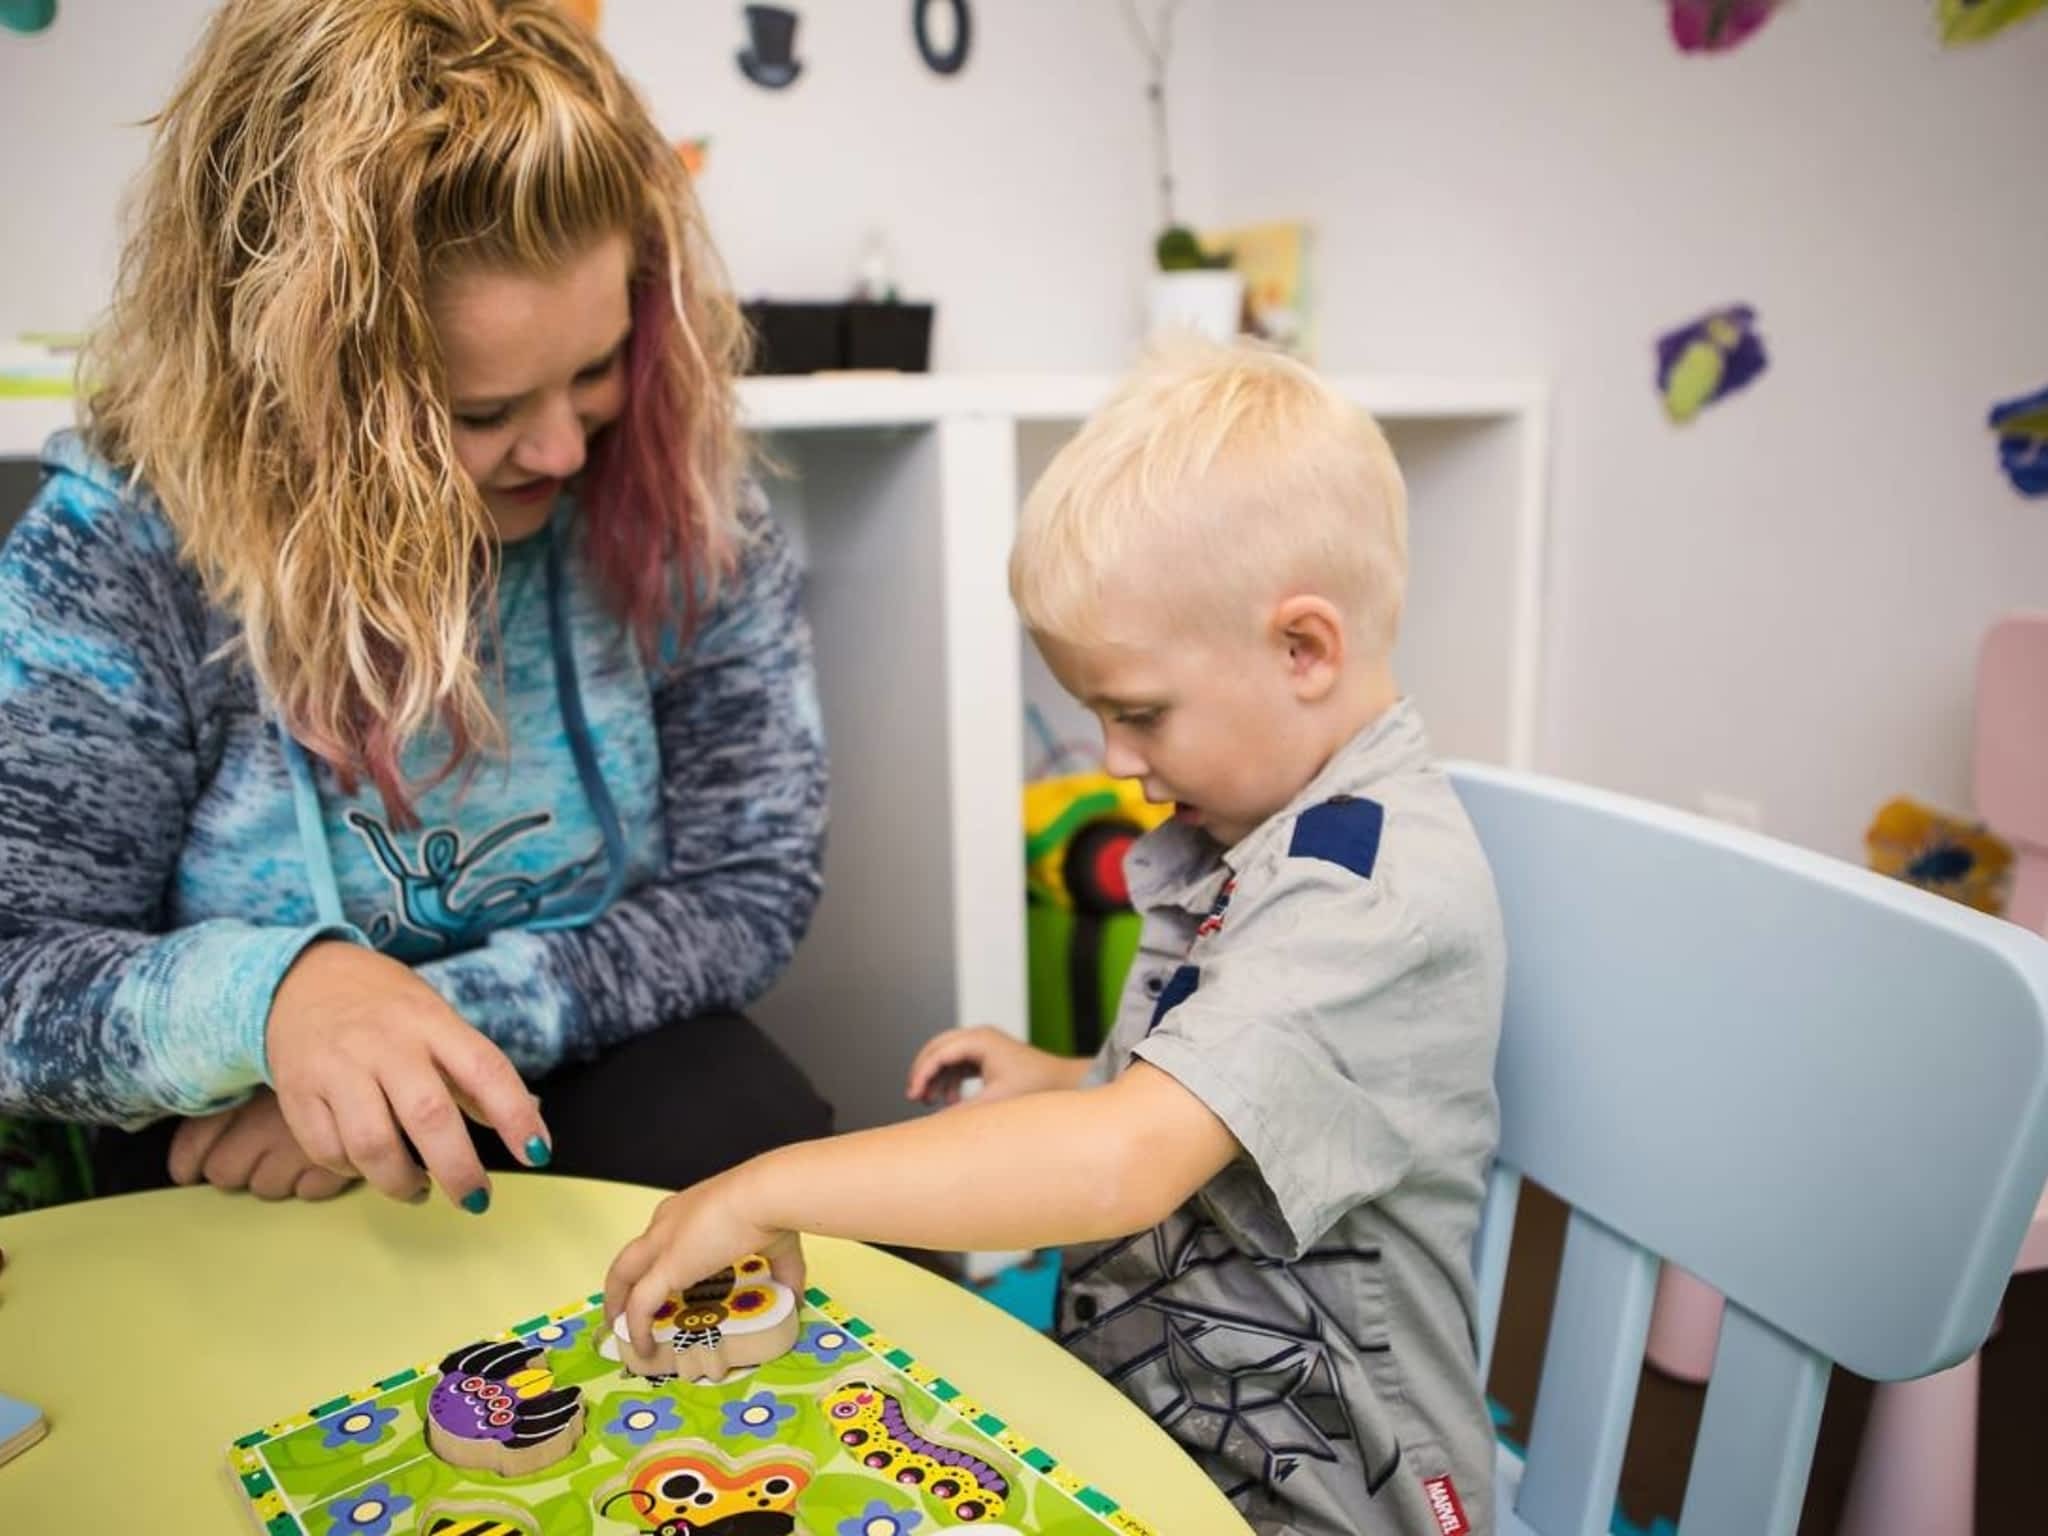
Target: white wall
column 1017, row 193
column 72, row 101
column 1782, row 601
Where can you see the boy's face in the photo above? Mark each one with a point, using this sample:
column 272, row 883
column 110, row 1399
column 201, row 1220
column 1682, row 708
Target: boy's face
column 1212, row 724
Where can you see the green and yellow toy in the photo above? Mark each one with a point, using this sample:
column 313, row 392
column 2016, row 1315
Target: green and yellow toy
column 1080, row 928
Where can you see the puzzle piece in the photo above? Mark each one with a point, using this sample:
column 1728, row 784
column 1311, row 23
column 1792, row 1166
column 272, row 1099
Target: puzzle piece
column 735, row 1319
column 496, row 1409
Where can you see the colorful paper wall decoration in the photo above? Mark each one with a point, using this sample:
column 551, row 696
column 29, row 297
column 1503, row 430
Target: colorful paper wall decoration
column 1708, row 360
column 2022, row 428
column 1948, row 855
column 1972, row 21
column 769, row 59
column 1715, row 26
column 27, row 15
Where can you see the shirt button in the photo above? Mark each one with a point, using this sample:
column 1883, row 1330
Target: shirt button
column 1155, row 983
column 1085, row 1308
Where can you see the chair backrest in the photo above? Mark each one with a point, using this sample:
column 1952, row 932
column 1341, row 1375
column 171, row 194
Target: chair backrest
column 1822, row 1091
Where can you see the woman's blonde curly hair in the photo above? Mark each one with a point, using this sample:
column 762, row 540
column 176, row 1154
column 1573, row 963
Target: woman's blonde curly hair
column 269, row 370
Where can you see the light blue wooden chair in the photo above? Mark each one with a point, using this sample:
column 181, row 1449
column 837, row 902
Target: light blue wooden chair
column 1822, row 1091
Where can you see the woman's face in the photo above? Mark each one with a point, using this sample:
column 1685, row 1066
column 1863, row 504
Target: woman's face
column 536, row 364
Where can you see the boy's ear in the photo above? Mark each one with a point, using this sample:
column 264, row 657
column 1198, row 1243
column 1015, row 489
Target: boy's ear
column 1310, row 631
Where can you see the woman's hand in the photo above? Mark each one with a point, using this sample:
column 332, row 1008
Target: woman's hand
column 1005, row 1065
column 366, row 1056
column 250, row 1147
column 693, row 1233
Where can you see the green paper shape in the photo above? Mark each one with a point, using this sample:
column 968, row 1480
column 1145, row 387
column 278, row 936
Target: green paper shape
column 1972, row 21
column 27, row 15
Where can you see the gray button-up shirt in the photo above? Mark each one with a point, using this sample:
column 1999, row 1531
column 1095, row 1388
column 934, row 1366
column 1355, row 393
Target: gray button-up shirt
column 1331, row 989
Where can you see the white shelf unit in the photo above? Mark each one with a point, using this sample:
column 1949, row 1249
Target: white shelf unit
column 902, row 491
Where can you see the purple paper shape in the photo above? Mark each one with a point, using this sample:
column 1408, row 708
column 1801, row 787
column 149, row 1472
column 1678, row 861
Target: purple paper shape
column 1708, row 359
column 1715, row 26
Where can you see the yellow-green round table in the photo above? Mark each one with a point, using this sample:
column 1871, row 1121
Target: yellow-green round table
column 152, row 1330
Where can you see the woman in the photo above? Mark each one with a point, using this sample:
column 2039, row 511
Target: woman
column 403, row 703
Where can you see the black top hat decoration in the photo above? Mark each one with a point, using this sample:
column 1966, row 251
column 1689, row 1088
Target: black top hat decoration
column 769, row 57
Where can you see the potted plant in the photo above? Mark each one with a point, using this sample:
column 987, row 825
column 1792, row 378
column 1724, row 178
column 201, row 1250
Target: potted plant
column 1193, row 289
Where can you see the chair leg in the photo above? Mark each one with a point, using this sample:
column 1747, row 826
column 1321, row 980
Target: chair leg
column 1916, row 1470
column 1685, row 1325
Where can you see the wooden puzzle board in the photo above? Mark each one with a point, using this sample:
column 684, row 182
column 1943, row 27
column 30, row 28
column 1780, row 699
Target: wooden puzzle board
column 771, row 1450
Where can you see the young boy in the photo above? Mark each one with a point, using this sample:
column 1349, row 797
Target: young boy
column 1268, row 1181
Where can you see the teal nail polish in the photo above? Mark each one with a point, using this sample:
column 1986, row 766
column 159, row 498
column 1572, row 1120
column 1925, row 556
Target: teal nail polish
column 538, row 1152
column 477, row 1201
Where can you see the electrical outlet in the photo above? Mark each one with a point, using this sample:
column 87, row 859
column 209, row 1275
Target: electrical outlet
column 1732, row 809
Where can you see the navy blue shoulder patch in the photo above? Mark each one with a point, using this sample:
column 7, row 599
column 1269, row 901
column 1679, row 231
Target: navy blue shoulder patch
column 1178, row 989
column 1343, row 831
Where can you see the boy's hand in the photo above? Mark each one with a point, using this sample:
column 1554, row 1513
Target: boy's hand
column 693, row 1233
column 250, row 1147
column 1005, row 1065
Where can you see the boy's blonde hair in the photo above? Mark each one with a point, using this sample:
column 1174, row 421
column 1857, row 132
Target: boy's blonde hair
column 1216, row 476
column 271, row 371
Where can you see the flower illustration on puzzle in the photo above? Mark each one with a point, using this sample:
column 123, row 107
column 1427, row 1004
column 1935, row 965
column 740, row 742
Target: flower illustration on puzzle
column 640, row 1419
column 827, row 1342
column 357, row 1424
column 557, row 1335
column 368, row 1511
column 760, row 1416
column 880, row 1519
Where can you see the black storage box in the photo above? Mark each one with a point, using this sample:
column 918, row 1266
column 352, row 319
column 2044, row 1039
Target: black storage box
column 796, row 338
column 897, row 336
column 819, row 338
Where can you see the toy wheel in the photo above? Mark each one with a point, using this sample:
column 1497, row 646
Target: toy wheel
column 1094, row 865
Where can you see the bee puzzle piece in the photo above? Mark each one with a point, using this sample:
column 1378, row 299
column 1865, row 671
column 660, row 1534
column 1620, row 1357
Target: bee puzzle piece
column 737, row 1318
column 496, row 1410
column 480, row 1520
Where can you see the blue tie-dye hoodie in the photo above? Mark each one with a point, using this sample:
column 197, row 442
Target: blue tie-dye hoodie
column 648, row 848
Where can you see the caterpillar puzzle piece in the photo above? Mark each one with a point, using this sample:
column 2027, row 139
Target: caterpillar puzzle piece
column 738, row 1318
column 873, row 1427
column 496, row 1409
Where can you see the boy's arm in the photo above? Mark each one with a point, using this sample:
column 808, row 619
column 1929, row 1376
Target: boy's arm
column 1099, row 1163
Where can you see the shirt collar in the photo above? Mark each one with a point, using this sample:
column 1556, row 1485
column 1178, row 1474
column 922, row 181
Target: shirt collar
column 1178, row 865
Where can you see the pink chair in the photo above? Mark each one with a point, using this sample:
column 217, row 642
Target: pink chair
column 2012, row 755
column 1916, row 1470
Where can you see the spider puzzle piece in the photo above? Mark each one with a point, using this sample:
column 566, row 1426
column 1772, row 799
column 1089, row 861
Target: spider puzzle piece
column 735, row 1319
column 496, row 1409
